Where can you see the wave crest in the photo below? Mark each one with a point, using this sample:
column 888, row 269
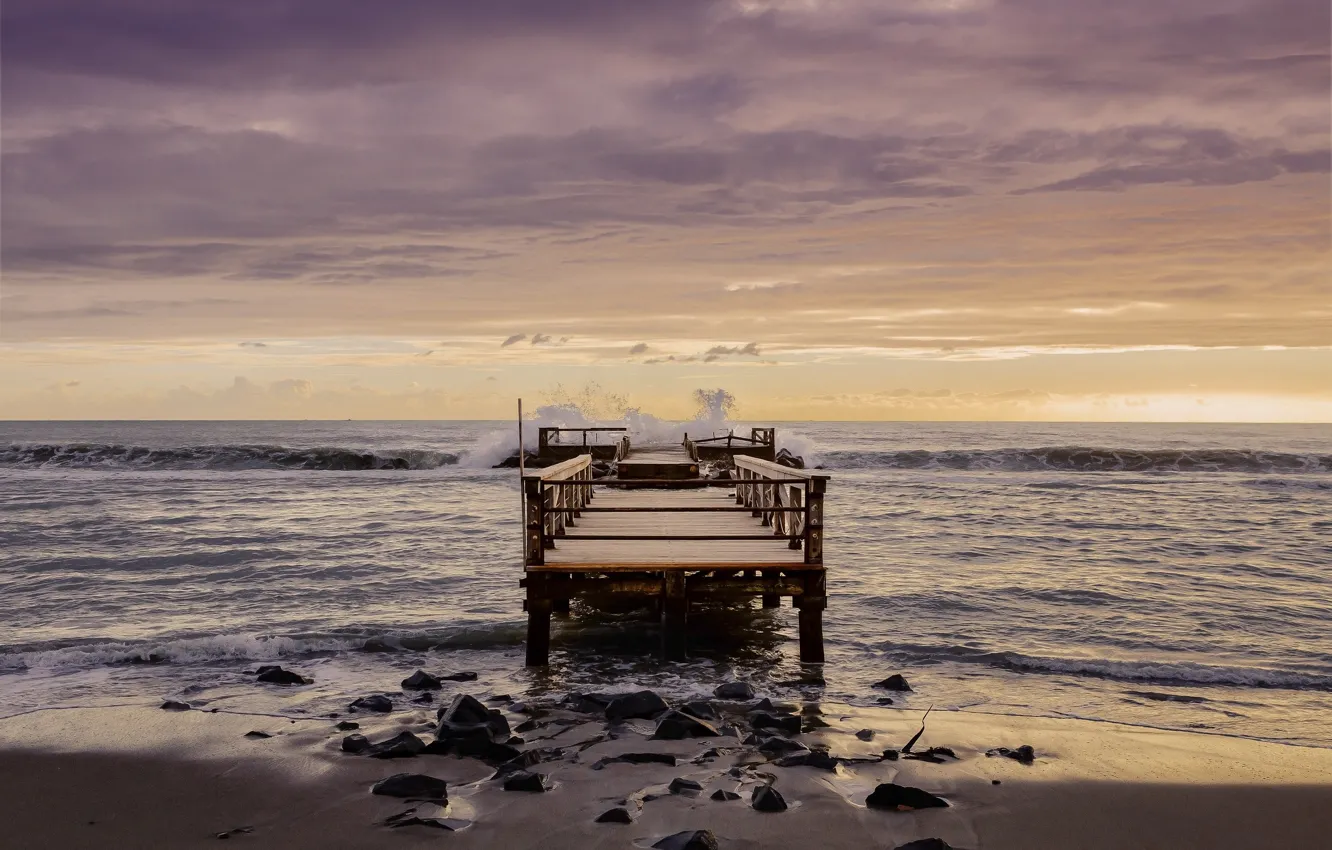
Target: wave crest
column 1085, row 459
column 111, row 456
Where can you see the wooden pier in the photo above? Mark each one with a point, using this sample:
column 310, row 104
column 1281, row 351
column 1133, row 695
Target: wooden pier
column 659, row 532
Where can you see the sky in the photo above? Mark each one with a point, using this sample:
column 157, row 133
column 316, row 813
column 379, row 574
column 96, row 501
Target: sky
column 920, row 209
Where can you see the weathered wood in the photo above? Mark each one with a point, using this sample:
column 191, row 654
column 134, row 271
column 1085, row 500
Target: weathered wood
column 675, row 616
column 667, row 541
column 538, row 623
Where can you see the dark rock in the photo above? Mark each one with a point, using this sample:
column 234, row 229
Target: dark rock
column 240, row 830
column 275, row 675
column 464, row 710
column 588, row 703
column 812, row 723
column 466, row 717
column 932, row 755
column 677, row 725
column 402, row 745
column 464, row 676
column 767, row 799
column 764, row 704
column 925, row 844
column 903, row 798
column 777, row 745
column 525, row 726
column 734, row 691
column 636, row 758
column 1024, row 754
column 520, row 762
column 895, row 682
column 499, row 698
column 375, row 702
column 788, row 723
column 255, row 735
column 679, row 785
column 643, row 704
column 523, row 780
column 690, row 839
column 785, row 458
column 994, row 781
column 175, row 705
column 347, row 725
column 412, row 785
column 884, row 701
column 722, row 796
column 615, row 816
column 355, row 744
column 891, row 755
column 701, row 709
column 867, row 734
column 424, row 699
column 414, row 817
column 814, row 758
column 420, row 681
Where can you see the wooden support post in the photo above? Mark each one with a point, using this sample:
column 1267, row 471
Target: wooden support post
column 675, row 615
column 560, row 606
column 538, row 622
column 771, row 600
column 811, row 604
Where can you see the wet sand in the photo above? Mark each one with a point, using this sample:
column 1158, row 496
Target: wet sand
column 142, row 777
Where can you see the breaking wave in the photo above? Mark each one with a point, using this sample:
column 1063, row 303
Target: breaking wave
column 1085, row 459
column 97, row 455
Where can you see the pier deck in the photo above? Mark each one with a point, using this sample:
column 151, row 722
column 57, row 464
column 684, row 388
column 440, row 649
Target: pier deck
column 659, row 532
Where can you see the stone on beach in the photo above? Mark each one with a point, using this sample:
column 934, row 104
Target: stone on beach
column 895, row 682
column 523, row 780
column 808, row 758
column 690, row 839
column 678, row 725
column 355, row 744
column 866, row 734
column 788, row 723
column 175, row 705
column 722, row 795
column 375, row 702
column 421, row 681
column 680, row 785
column 616, row 815
column 640, row 705
column 777, row 745
column 1023, row 754
column 635, row 758
column 273, row 674
column 925, row 844
column 467, row 718
column 347, row 725
column 734, row 691
column 412, row 785
column 464, row 676
column 402, row 745
column 903, row 798
column 256, row 735
column 767, row 799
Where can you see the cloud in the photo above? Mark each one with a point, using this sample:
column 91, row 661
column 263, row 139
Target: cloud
column 540, row 339
column 513, row 340
column 253, row 345
column 638, row 348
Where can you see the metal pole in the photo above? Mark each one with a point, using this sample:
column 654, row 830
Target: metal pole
column 522, row 487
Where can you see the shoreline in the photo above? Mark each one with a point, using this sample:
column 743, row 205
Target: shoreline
column 141, row 777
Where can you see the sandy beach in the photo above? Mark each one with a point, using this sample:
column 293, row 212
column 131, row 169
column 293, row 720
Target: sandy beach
column 139, row 776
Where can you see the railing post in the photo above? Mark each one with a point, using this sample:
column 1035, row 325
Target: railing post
column 797, row 501
column 814, row 519
column 534, row 542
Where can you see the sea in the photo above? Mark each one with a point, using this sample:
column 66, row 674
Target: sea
column 1175, row 576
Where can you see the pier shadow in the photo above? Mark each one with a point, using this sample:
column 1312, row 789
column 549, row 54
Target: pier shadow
column 739, row 631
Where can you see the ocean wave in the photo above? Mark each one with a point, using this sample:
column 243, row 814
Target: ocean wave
column 254, row 647
column 111, row 456
column 1140, row 672
column 1085, row 459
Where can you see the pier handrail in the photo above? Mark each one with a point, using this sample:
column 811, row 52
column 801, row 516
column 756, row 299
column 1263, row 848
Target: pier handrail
column 550, row 509
column 793, row 511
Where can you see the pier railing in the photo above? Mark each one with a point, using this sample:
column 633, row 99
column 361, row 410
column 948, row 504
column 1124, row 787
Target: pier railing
column 761, row 443
column 790, row 500
column 551, row 445
column 548, row 510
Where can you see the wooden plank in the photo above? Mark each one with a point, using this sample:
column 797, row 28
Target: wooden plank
column 775, row 470
column 563, row 470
